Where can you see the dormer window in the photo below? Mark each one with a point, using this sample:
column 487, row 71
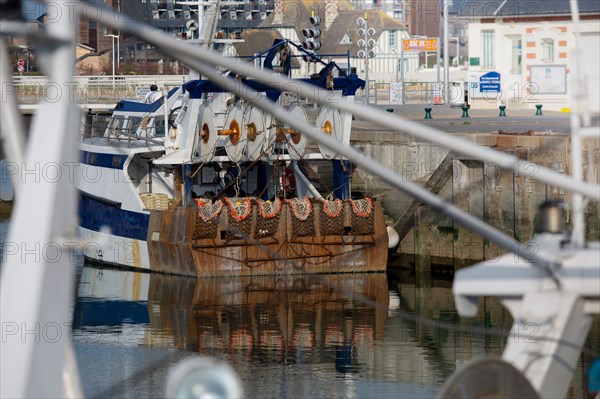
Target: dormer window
column 392, row 40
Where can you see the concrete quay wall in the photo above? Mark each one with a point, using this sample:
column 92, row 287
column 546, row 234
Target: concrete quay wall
column 502, row 198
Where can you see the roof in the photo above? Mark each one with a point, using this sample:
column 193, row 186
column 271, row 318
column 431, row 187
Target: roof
column 297, row 12
column 345, row 23
column 524, row 8
column 257, row 41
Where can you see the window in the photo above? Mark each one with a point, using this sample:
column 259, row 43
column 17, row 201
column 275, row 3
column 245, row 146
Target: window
column 548, row 50
column 487, row 40
column 392, row 40
column 516, row 52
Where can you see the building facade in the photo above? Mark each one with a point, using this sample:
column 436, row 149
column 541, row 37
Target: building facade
column 532, row 50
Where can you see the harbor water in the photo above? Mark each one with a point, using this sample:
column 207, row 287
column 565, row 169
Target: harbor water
column 337, row 336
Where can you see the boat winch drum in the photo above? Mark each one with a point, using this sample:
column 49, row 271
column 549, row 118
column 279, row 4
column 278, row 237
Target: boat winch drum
column 329, row 121
column 254, row 124
column 235, row 141
column 207, row 133
column 296, row 140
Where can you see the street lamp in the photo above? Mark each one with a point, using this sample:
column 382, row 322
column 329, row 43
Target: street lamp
column 113, row 57
column 452, row 38
column 367, row 45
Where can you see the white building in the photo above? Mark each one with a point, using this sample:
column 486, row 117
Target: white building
column 531, row 45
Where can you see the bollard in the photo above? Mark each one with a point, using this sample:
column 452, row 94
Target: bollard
column 538, row 110
column 502, row 110
column 428, row 113
column 465, row 109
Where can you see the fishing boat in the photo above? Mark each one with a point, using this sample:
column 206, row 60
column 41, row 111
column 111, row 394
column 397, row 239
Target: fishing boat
column 549, row 284
column 202, row 183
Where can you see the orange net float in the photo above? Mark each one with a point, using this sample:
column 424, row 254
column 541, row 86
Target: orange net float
column 269, row 209
column 301, row 207
column 240, row 209
column 208, row 210
column 332, row 208
column 362, row 207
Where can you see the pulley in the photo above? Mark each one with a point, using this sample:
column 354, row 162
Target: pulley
column 329, row 121
column 235, row 140
column 296, row 141
column 254, row 125
column 206, row 131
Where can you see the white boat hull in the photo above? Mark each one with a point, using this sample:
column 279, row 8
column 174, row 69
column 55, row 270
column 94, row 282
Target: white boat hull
column 114, row 250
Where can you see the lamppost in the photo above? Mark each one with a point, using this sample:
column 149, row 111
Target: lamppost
column 452, row 38
column 366, row 45
column 113, row 57
column 446, row 5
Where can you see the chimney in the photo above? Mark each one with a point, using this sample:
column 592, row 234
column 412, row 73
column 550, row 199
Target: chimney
column 331, row 12
column 278, row 12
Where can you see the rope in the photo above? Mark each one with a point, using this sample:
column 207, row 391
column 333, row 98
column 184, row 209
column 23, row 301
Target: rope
column 220, row 194
column 275, row 165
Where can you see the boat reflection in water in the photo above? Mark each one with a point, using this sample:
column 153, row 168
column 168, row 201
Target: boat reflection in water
column 273, row 319
column 249, row 322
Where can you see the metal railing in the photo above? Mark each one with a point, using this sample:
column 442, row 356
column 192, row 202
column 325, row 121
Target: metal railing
column 100, row 89
column 414, row 93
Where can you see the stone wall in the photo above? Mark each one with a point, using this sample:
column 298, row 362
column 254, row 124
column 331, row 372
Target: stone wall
column 502, row 198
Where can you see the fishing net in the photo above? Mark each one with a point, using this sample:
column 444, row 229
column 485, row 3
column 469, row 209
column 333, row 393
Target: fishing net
column 362, row 216
column 207, row 219
column 331, row 217
column 240, row 224
column 303, row 224
column 267, row 220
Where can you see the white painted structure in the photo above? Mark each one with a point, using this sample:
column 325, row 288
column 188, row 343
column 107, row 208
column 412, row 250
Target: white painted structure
column 535, row 60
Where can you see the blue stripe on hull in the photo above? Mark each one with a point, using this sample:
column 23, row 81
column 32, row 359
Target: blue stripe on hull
column 90, row 312
column 95, row 214
column 112, row 161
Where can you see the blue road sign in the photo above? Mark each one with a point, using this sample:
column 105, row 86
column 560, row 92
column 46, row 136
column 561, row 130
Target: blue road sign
column 489, row 83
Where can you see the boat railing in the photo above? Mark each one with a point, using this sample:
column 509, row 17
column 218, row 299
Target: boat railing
column 136, row 129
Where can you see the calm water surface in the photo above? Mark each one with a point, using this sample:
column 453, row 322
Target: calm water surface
column 349, row 336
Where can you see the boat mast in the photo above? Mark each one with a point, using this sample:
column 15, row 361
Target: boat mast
column 580, row 120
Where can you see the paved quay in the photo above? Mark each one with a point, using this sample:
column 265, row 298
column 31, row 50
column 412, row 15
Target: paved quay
column 518, row 120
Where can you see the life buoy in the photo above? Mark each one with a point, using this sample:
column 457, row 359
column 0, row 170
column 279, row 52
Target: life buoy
column 288, row 181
